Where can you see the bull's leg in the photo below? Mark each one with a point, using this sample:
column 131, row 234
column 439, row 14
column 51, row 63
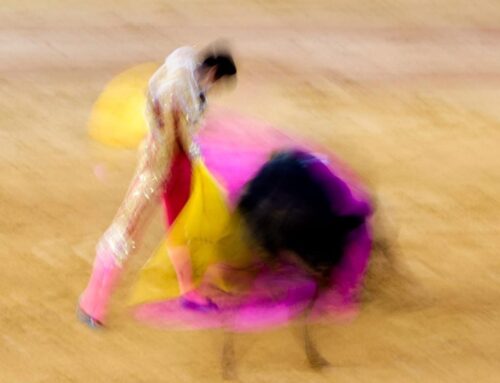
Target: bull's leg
column 228, row 360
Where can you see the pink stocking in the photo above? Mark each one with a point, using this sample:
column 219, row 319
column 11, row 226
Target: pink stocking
column 105, row 273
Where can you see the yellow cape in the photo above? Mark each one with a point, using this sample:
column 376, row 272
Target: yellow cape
column 117, row 117
column 213, row 234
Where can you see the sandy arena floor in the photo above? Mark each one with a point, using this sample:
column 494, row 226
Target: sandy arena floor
column 406, row 92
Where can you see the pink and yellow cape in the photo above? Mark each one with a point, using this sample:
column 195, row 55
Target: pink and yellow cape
column 199, row 200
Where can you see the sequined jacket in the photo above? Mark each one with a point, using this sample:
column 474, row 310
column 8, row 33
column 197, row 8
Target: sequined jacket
column 173, row 112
